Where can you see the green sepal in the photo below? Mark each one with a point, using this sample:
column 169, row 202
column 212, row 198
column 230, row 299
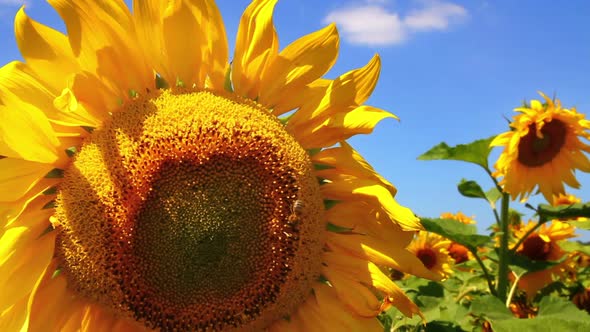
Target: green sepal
column 337, row 229
column 161, row 83
column 71, row 151
column 50, row 205
column 50, row 191
column 329, row 203
column 55, row 173
column 227, row 85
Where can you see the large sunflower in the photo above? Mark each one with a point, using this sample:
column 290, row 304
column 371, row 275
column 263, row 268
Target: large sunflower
column 543, row 149
column 543, row 245
column 148, row 184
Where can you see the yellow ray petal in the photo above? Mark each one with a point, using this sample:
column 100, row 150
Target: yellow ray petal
column 328, row 303
column 357, row 298
column 379, row 252
column 51, row 303
column 19, row 85
column 183, row 55
column 29, row 265
column 375, row 194
column 25, row 132
column 363, row 219
column 102, row 37
column 299, row 64
column 344, row 93
column 18, row 176
column 47, row 51
column 14, row 318
column 341, row 126
column 215, row 51
column 345, row 160
column 256, row 44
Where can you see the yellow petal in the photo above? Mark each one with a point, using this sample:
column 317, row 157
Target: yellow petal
column 183, row 55
column 216, row 51
column 102, row 37
column 344, row 93
column 380, row 253
column 345, row 160
column 334, row 310
column 47, row 51
column 25, row 132
column 50, row 303
column 256, row 44
column 29, row 266
column 375, row 194
column 14, row 318
column 361, row 218
column 19, row 84
column 18, row 176
column 299, row 64
column 147, row 15
column 358, row 298
column 341, row 126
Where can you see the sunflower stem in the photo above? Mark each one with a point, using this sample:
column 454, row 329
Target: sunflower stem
column 503, row 264
column 526, row 235
column 485, row 272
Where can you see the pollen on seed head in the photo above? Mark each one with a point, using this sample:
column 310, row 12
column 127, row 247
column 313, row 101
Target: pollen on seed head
column 191, row 210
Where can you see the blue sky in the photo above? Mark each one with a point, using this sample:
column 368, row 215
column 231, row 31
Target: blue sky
column 451, row 70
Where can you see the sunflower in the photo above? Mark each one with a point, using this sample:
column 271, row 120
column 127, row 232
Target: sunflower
column 147, row 183
column 459, row 252
column 432, row 250
column 543, row 245
column 542, row 150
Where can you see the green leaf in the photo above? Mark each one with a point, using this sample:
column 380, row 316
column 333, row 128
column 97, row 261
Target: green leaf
column 548, row 212
column 581, row 224
column 456, row 231
column 490, row 307
column 575, row 246
column 555, row 315
column 476, row 152
column 471, row 189
column 493, row 195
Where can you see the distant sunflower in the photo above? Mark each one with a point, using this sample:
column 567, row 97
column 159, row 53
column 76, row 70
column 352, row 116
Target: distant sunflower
column 543, row 245
column 148, row 184
column 543, row 149
column 432, row 251
column 457, row 251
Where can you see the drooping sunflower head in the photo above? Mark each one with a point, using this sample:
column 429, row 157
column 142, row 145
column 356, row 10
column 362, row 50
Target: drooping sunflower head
column 432, row 250
column 150, row 184
column 543, row 149
column 543, row 245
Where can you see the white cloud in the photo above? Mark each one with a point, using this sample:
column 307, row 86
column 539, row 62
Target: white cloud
column 368, row 24
column 13, row 2
column 371, row 23
column 437, row 16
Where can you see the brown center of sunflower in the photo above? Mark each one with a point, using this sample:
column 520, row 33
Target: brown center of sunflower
column 535, row 248
column 534, row 151
column 458, row 252
column 180, row 213
column 428, row 257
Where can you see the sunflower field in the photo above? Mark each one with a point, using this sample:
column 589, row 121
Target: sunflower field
column 523, row 275
column 150, row 183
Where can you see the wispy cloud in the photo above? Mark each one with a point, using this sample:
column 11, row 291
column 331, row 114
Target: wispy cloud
column 372, row 23
column 14, row 2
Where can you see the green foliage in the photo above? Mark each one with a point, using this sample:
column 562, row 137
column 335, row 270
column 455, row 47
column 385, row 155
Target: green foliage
column 476, row 152
column 471, row 189
column 456, row 231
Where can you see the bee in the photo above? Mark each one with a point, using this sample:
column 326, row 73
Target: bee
column 296, row 212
